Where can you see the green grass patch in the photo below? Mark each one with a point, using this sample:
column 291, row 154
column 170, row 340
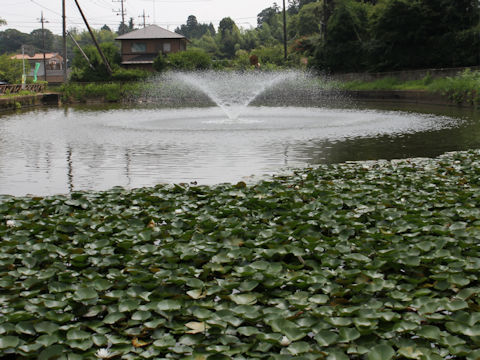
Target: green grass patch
column 108, row 92
column 375, row 260
column 461, row 89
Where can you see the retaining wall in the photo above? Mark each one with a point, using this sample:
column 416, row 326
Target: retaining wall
column 20, row 102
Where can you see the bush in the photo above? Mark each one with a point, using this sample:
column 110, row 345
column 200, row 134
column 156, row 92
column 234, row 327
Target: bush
column 160, row 63
column 189, row 60
column 124, row 75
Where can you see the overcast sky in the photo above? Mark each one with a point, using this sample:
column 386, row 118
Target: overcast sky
column 24, row 15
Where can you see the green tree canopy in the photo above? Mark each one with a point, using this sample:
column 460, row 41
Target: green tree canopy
column 10, row 69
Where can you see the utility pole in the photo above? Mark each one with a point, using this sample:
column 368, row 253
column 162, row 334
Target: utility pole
column 105, row 61
column 42, row 20
column 143, row 16
column 122, row 11
column 64, row 22
column 284, row 31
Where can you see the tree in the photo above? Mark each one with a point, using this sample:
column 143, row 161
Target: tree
column 310, row 18
column 11, row 40
column 193, row 30
column 2, row 22
column 105, row 28
column 10, row 69
column 82, row 70
column 228, row 37
column 36, row 39
column 266, row 16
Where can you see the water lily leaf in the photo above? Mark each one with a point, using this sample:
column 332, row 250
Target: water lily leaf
column 248, row 286
column 248, row 330
column 85, row 293
column 141, row 315
column 169, row 305
column 128, row 305
column 113, row 318
column 8, row 342
column 337, row 355
column 48, row 327
column 165, row 342
column 25, row 327
column 197, row 294
column 76, row 334
column 410, row 352
column 196, row 327
column 381, row 352
column 244, row 299
column 48, row 340
column 52, row 352
column 319, row 299
column 83, row 345
column 287, row 328
column 348, row 334
column 326, row 338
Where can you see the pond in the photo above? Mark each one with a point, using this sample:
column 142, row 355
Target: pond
column 60, row 150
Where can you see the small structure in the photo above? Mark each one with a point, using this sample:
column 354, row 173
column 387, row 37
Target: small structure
column 53, row 65
column 140, row 47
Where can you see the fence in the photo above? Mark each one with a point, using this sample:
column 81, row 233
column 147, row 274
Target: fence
column 16, row 88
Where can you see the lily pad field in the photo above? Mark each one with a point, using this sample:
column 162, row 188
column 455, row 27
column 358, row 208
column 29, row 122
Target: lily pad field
column 368, row 260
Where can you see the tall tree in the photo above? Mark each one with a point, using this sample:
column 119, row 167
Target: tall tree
column 229, row 37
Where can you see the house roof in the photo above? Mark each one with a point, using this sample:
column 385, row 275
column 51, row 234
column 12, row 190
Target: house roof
column 150, row 32
column 37, row 56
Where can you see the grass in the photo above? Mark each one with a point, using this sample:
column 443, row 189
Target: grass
column 464, row 88
column 376, row 260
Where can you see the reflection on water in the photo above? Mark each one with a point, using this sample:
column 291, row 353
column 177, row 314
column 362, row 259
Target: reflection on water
column 51, row 151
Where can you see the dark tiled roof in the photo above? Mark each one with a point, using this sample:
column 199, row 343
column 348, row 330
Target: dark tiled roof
column 150, row 32
column 141, row 59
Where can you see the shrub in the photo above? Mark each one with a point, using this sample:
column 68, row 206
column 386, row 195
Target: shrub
column 160, row 63
column 130, row 75
column 189, row 60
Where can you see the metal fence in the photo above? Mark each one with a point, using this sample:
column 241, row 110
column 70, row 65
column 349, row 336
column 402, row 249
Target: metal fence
column 16, row 88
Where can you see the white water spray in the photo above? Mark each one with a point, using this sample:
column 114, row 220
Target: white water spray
column 233, row 91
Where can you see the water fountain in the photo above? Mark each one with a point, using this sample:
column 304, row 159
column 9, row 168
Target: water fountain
column 210, row 127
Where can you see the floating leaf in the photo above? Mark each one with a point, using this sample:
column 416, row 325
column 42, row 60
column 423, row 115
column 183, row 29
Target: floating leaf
column 196, row 327
column 381, row 352
column 244, row 299
column 8, row 342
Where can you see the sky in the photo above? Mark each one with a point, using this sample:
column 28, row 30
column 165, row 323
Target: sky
column 24, row 15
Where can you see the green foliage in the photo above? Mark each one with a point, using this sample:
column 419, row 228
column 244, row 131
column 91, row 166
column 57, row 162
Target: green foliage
column 399, row 34
column 461, row 89
column 126, row 75
column 340, row 262
column 464, row 88
column 160, row 63
column 189, row 60
column 11, row 70
column 193, row 30
column 113, row 92
column 83, row 72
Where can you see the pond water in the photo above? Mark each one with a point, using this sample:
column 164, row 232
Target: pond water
column 59, row 150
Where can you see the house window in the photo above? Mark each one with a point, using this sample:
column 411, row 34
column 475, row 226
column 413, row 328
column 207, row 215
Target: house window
column 167, row 47
column 139, row 47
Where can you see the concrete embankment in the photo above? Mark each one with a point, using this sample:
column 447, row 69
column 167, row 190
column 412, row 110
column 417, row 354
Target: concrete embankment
column 26, row 101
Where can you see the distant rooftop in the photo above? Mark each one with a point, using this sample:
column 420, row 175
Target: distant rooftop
column 150, row 32
column 37, row 56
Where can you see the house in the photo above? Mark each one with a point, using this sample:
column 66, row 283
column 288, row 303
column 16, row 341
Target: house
column 53, row 65
column 140, row 47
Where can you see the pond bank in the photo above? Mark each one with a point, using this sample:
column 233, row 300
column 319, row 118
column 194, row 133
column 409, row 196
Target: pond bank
column 9, row 103
column 393, row 96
